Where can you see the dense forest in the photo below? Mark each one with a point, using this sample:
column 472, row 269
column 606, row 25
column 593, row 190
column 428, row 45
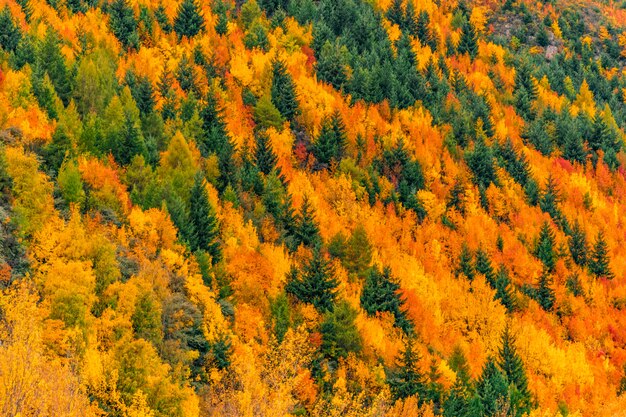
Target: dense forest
column 312, row 208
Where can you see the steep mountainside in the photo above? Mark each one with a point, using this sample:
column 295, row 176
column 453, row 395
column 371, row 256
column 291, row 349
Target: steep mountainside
column 313, row 208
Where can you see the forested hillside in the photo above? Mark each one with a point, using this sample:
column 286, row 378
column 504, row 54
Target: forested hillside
column 312, row 208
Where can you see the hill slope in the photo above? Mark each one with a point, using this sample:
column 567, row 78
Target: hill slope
column 325, row 208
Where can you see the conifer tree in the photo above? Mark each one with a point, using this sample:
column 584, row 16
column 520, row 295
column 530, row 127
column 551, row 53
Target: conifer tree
column 465, row 263
column 288, row 218
column 578, row 245
column 264, row 155
column 188, row 22
column 504, row 292
column 204, row 220
column 381, row 294
column 512, row 368
column 331, row 142
column 358, row 252
column 186, row 75
column 177, row 210
column 483, row 266
column 131, row 142
column 316, row 284
column 340, row 335
column 456, row 403
column 544, row 248
column 599, row 260
column 469, row 41
column 283, row 91
column 306, row 230
column 550, row 198
column 492, row 394
column 161, row 17
column 409, row 380
column 10, row 34
column 544, row 292
column 123, row 23
column 481, row 162
column 395, row 14
column 51, row 60
column 215, row 139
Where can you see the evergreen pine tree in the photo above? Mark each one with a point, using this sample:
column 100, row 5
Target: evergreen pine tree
column 578, row 245
column 409, row 380
column 177, row 210
column 219, row 8
column 123, row 23
column 283, row 91
column 161, row 17
column 544, row 248
column 215, row 139
column 469, row 41
column 188, row 22
column 550, row 198
column 51, row 60
column 358, row 252
column 168, row 109
column 10, row 33
column 512, row 367
column 544, row 292
column 483, row 266
column 465, row 263
column 331, row 142
column 504, row 292
column 288, row 218
column 456, row 403
column 381, row 294
column 204, row 220
column 316, row 284
column 340, row 335
column 131, row 142
column 395, row 14
column 492, row 395
column 186, row 75
column 264, row 155
column 481, row 162
column 306, row 231
column 143, row 94
column 599, row 260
